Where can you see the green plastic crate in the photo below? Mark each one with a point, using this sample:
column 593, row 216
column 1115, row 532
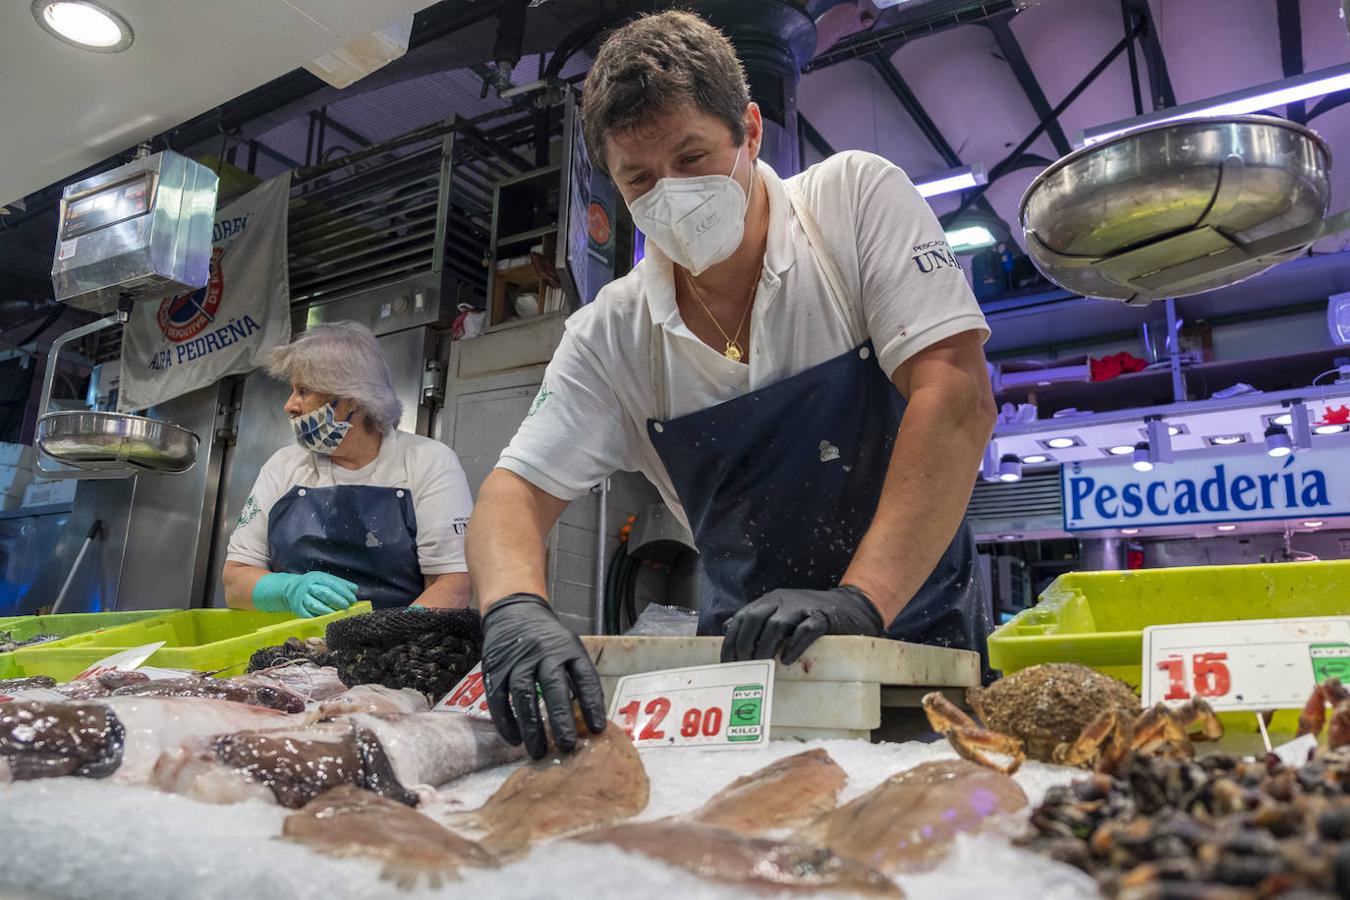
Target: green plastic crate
column 202, row 639
column 1098, row 618
column 66, row 625
column 69, row 624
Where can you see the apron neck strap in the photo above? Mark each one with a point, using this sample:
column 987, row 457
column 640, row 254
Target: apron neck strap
column 834, row 278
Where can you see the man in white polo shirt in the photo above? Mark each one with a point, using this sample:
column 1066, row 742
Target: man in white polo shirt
column 755, row 366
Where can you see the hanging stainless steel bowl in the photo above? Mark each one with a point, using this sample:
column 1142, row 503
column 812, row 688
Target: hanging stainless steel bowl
column 105, row 440
column 1174, row 209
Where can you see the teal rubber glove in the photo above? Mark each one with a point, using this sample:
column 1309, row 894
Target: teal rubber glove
column 308, row 595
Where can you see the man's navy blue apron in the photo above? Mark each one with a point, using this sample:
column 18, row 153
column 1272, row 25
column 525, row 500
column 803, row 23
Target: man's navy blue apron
column 780, row 485
column 365, row 534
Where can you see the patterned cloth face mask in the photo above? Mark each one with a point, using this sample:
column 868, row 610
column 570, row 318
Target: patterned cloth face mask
column 320, row 431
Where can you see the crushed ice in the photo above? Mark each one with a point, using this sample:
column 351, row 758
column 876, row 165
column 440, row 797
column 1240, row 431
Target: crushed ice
column 82, row 838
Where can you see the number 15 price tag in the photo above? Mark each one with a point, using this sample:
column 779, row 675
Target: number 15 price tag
column 1257, row 664
column 723, row 706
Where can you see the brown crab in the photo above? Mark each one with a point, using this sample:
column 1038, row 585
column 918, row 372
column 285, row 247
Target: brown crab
column 1329, row 693
column 1067, row 714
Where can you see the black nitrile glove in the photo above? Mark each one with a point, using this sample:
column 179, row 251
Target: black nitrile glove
column 792, row 618
column 524, row 644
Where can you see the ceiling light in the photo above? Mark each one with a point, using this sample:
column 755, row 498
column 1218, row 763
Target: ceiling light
column 1314, row 523
column 1121, row 450
column 1036, row 459
column 1285, row 419
column 1278, row 442
column 1062, row 443
column 1330, row 428
column 84, row 24
column 1226, row 440
column 1009, row 537
column 1249, row 100
column 1009, row 469
column 970, row 237
column 953, row 180
column 1142, row 461
column 1227, row 528
column 1129, row 531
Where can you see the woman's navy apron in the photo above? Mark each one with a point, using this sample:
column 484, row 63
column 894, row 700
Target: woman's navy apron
column 365, row 534
column 779, row 486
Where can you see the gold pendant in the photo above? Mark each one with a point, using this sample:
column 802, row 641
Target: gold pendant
column 733, row 351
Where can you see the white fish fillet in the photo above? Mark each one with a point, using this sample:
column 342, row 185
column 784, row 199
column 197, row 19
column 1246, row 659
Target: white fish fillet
column 156, row 724
column 420, row 750
column 435, row 748
column 375, row 699
column 315, row 683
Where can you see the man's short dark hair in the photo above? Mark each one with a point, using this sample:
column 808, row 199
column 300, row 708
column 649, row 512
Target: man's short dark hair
column 658, row 62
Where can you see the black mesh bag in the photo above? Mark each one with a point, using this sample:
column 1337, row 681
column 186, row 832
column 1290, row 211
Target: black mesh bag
column 424, row 649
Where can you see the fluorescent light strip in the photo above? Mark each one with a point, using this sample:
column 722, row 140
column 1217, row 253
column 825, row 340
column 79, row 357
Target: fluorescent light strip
column 952, row 180
column 970, row 237
column 1249, row 100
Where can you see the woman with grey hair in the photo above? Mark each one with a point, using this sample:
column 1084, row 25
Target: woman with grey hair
column 357, row 510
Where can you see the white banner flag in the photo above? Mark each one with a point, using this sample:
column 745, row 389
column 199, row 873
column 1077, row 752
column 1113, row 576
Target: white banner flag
column 193, row 340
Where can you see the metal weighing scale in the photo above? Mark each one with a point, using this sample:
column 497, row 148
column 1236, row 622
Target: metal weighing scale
column 140, row 231
column 1180, row 208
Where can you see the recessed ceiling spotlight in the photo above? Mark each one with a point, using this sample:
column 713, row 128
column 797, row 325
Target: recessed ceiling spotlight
column 1009, row 537
column 1331, row 428
column 1129, row 531
column 84, row 23
column 1061, row 443
column 1120, row 450
column 1314, row 523
column 1172, row 430
column 1285, row 419
column 1226, row 440
column 1227, row 528
column 1036, row 459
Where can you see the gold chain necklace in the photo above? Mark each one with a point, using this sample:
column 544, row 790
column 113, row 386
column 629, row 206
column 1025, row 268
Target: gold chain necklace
column 733, row 351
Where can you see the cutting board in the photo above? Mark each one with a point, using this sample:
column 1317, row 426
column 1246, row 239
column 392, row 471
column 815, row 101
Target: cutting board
column 835, row 690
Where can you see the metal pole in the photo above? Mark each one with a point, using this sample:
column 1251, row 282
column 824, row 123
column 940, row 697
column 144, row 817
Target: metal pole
column 601, row 526
column 75, row 566
column 1174, row 351
column 54, row 353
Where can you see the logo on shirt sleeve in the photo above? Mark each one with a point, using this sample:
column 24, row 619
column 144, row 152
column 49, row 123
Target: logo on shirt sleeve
column 934, row 255
column 250, row 512
column 539, row 400
column 461, row 525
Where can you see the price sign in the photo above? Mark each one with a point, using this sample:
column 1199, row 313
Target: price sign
column 122, row 661
column 724, row 706
column 1247, row 665
column 469, row 697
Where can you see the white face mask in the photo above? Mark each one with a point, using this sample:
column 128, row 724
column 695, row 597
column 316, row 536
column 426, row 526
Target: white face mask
column 697, row 222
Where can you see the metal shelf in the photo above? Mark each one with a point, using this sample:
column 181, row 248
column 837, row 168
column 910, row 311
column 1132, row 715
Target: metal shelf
column 530, row 235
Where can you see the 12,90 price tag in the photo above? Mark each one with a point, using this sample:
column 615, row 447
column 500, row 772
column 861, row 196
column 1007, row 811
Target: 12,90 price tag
column 721, row 706
column 1247, row 665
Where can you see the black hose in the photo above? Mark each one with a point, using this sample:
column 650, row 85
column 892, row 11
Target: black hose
column 611, row 594
column 630, row 591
